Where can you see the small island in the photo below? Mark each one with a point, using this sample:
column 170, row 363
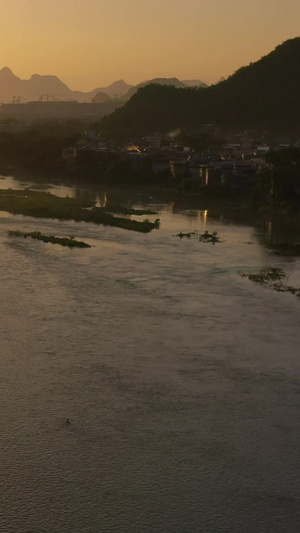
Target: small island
column 45, row 205
column 38, row 236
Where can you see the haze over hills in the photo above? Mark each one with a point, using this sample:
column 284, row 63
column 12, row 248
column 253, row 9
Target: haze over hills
column 48, row 88
column 117, row 90
column 265, row 93
column 194, row 83
column 11, row 86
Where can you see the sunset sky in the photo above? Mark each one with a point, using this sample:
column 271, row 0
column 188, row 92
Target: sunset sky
column 90, row 43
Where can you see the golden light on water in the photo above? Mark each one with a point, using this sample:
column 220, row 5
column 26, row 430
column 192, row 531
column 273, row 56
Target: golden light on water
column 202, row 217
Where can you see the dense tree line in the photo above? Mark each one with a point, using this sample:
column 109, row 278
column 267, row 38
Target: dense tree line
column 38, row 147
column 279, row 183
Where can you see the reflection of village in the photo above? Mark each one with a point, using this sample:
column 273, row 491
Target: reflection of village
column 269, row 229
column 275, row 230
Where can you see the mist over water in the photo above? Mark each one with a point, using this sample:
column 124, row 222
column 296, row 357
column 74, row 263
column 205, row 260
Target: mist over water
column 180, row 379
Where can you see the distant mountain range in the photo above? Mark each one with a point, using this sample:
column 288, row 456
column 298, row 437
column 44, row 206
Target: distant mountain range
column 264, row 94
column 48, row 88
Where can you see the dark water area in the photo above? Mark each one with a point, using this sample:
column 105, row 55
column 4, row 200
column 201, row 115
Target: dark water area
column 180, row 378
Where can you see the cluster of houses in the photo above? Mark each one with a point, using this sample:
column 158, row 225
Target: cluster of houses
column 233, row 164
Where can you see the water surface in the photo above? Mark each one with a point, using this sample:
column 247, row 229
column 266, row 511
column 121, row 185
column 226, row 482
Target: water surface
column 180, row 379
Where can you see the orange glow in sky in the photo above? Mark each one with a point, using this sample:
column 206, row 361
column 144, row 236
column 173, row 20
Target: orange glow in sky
column 90, row 43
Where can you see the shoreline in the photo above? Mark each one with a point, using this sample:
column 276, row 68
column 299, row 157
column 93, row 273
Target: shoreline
column 238, row 207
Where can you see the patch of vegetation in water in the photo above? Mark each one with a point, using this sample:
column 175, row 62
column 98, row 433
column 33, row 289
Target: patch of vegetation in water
column 273, row 278
column 210, row 237
column 45, row 205
column 187, row 235
column 265, row 275
column 287, row 288
column 204, row 237
column 37, row 235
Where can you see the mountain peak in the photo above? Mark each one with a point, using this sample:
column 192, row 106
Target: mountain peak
column 6, row 71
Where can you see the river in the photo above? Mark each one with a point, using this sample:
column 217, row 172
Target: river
column 179, row 377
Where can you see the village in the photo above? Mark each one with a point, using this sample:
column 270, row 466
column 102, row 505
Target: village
column 204, row 158
column 232, row 162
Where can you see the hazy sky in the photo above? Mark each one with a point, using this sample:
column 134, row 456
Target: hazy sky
column 90, row 43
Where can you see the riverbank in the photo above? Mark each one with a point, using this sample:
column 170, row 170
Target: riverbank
column 135, row 200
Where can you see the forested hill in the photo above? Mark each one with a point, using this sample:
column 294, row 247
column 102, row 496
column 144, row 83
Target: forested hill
column 265, row 93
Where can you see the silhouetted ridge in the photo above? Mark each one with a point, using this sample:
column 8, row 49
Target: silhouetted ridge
column 265, row 93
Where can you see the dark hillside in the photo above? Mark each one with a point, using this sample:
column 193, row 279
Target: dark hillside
column 265, row 93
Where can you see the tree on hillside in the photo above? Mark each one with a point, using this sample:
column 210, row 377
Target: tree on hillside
column 280, row 181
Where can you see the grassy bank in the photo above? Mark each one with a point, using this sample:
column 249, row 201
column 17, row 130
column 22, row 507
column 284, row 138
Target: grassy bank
column 45, row 205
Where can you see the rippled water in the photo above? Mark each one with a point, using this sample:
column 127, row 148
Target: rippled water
column 180, row 379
